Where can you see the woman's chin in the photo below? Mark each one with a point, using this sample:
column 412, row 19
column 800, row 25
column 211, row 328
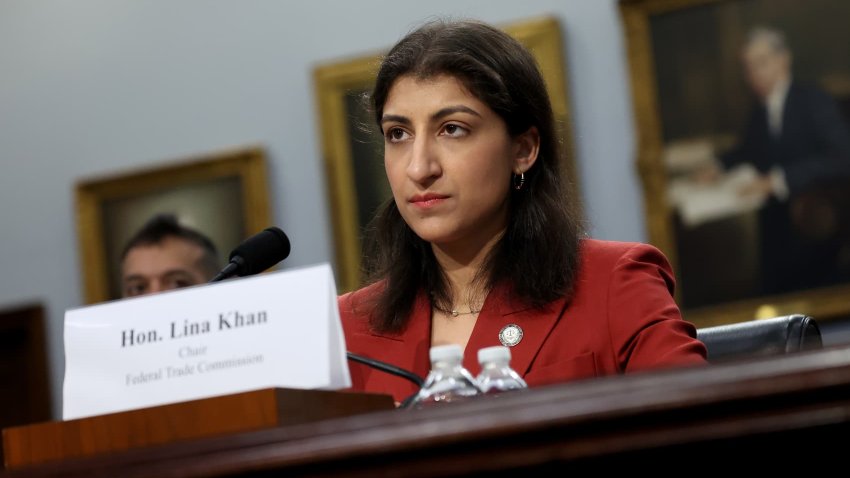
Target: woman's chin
column 435, row 235
column 433, row 238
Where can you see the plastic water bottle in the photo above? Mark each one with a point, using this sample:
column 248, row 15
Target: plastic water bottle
column 496, row 375
column 448, row 381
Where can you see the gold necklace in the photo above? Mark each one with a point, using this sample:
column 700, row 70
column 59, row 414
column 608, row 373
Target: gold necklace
column 456, row 313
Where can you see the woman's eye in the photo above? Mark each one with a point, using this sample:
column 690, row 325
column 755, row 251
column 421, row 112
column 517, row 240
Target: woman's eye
column 455, row 131
column 396, row 134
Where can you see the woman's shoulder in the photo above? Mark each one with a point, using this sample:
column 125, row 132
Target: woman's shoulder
column 606, row 262
column 357, row 302
column 598, row 254
column 615, row 249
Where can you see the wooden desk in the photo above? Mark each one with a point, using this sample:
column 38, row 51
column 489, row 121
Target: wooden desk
column 792, row 409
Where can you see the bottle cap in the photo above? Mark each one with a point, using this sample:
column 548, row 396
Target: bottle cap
column 442, row 353
column 492, row 354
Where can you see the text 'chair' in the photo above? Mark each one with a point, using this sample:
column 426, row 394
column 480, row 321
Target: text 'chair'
column 754, row 338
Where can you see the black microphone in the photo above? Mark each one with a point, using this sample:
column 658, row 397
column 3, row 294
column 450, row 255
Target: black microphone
column 256, row 254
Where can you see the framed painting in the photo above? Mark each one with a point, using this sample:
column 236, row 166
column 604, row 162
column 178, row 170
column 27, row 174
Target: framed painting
column 223, row 195
column 353, row 148
column 742, row 111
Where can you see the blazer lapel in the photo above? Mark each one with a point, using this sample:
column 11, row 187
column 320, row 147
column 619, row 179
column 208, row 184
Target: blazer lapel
column 409, row 349
column 499, row 311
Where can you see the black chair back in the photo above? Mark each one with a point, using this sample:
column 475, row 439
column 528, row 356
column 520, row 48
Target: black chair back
column 780, row 335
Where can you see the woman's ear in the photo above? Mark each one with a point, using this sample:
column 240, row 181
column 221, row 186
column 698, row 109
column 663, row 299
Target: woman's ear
column 526, row 148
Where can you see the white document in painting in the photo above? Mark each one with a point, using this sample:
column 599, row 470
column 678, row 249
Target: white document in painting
column 280, row 329
column 701, row 203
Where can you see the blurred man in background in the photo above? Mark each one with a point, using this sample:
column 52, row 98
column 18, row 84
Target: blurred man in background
column 164, row 255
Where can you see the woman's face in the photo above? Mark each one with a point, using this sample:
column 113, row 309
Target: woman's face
column 449, row 160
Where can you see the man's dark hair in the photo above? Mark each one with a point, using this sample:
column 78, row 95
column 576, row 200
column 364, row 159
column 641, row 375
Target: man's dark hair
column 163, row 226
column 538, row 253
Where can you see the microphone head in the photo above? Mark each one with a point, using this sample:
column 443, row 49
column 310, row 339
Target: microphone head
column 261, row 251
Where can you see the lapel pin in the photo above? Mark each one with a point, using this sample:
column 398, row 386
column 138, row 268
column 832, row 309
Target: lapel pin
column 510, row 335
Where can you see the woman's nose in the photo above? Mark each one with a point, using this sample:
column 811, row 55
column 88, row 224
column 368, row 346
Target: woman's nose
column 424, row 163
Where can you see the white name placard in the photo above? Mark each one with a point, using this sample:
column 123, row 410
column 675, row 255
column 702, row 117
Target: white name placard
column 280, row 329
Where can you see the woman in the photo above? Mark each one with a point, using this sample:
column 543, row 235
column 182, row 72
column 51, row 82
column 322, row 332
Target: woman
column 481, row 244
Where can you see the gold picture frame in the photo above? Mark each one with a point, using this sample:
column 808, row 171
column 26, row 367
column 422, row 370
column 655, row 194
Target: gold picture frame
column 338, row 86
column 223, row 195
column 648, row 26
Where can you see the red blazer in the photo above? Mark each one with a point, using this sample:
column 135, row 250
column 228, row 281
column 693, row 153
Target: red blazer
column 621, row 318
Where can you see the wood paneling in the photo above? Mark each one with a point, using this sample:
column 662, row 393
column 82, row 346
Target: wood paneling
column 770, row 412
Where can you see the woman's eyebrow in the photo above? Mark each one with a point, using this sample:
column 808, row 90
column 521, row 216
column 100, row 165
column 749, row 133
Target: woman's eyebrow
column 395, row 118
column 454, row 109
column 442, row 113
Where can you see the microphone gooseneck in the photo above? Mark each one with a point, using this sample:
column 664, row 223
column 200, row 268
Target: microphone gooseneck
column 385, row 367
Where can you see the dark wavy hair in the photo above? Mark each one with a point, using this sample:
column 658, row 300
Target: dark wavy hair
column 538, row 253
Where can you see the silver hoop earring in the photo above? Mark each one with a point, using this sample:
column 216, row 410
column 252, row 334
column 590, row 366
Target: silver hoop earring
column 518, row 181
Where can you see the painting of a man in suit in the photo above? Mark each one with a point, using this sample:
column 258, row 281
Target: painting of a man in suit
column 798, row 141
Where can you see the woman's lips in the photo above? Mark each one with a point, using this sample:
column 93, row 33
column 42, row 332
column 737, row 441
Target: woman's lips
column 427, row 201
